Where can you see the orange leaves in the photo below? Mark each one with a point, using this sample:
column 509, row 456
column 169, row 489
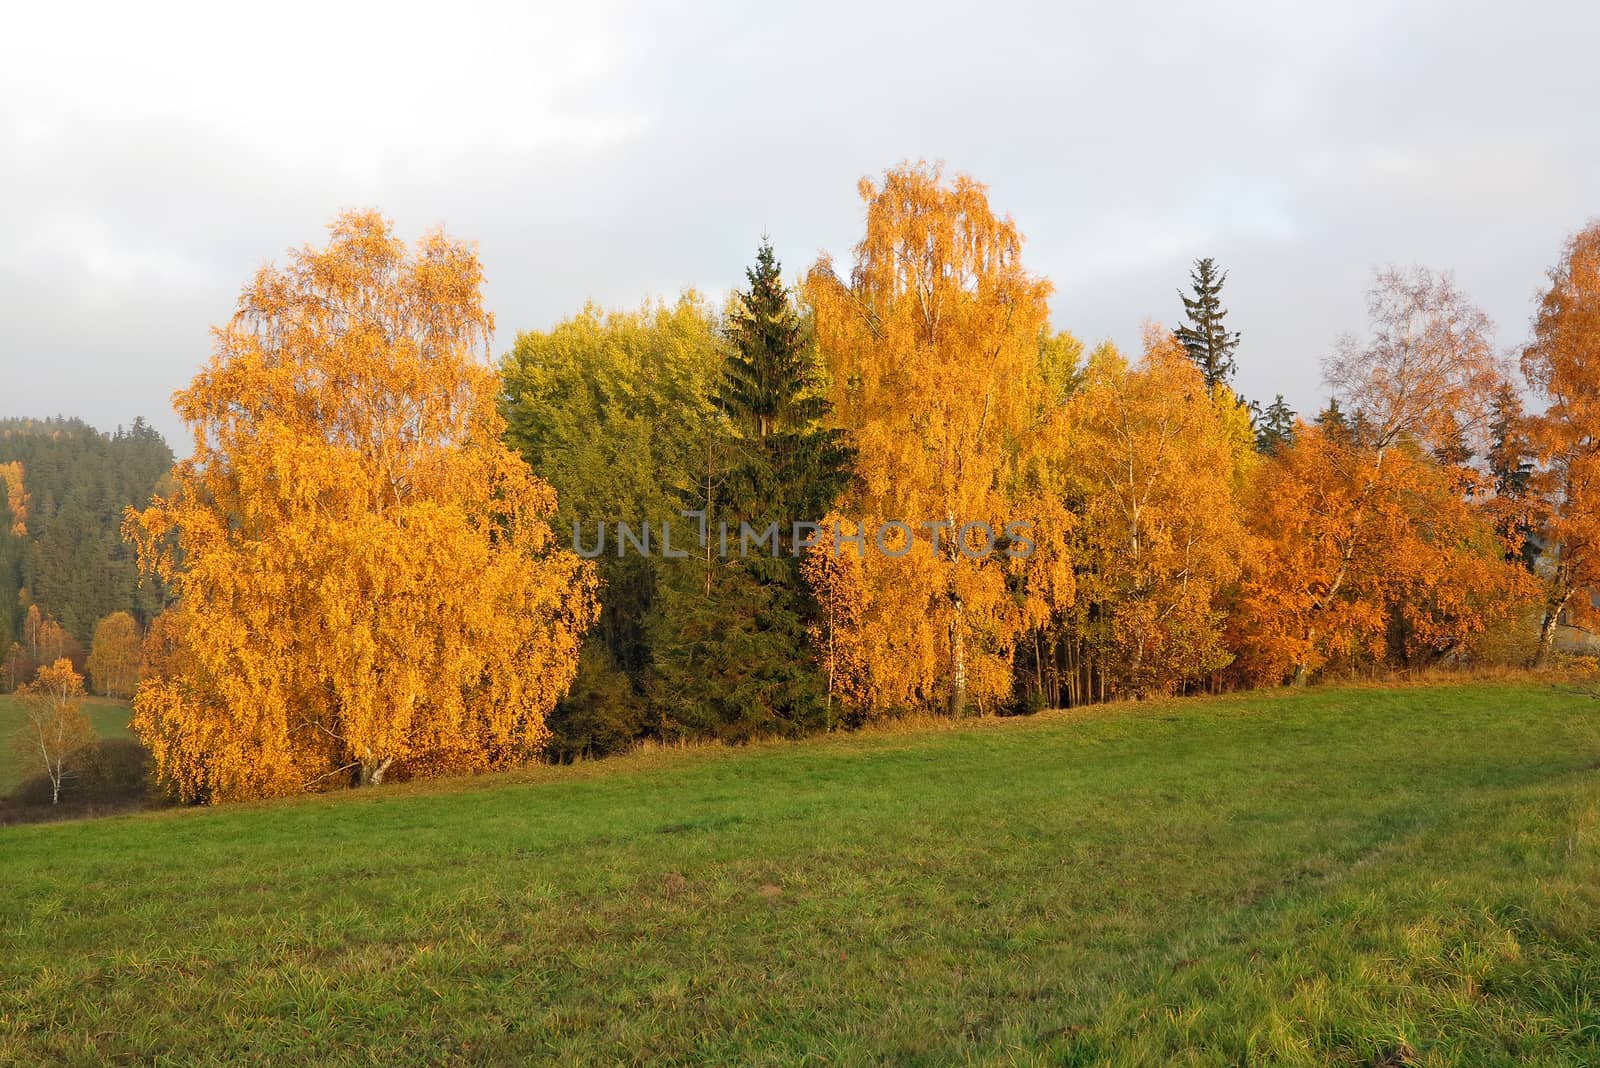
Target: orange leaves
column 1365, row 553
column 1152, row 460
column 1563, row 363
column 933, row 357
column 367, row 579
column 1369, row 544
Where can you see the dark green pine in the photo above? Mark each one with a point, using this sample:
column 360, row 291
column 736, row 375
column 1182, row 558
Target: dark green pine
column 1204, row 335
column 1275, row 429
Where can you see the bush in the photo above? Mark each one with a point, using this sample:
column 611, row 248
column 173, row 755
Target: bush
column 110, row 775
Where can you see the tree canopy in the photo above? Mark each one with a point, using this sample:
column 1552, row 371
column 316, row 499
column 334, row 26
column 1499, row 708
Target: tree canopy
column 365, row 576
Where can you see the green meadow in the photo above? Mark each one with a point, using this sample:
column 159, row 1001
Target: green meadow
column 1360, row 876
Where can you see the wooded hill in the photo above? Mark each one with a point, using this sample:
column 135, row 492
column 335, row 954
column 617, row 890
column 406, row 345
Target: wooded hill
column 63, row 488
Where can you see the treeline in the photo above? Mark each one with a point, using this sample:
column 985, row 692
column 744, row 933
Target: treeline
column 1185, row 539
column 386, row 560
column 64, row 566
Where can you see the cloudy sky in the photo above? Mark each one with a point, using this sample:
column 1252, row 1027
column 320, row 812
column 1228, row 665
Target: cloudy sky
column 153, row 155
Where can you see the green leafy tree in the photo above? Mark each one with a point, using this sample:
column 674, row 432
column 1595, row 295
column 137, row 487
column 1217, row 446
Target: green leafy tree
column 1204, row 335
column 614, row 409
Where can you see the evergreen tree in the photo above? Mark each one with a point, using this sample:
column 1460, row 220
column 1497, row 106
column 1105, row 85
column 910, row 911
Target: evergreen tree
column 1511, row 466
column 1333, row 420
column 62, row 499
column 730, row 651
column 1452, row 449
column 1206, row 338
column 1275, row 428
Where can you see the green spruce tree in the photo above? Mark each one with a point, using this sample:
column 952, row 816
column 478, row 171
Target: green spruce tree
column 1511, row 466
column 1333, row 420
column 731, row 656
column 1275, row 427
column 1204, row 335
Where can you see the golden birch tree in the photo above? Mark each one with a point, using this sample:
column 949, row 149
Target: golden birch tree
column 1152, row 461
column 115, row 655
column 1563, row 364
column 365, row 577
column 54, row 729
column 933, row 354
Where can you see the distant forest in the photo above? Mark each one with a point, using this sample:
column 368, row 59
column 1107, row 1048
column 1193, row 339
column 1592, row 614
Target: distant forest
column 63, row 488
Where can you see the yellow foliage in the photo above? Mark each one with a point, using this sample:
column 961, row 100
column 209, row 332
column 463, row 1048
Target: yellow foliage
column 54, row 729
column 1153, row 459
column 936, row 373
column 115, row 654
column 365, row 574
column 15, row 496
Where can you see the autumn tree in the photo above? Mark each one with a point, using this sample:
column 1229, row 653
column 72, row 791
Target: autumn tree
column 54, row 730
column 1365, row 535
column 13, row 556
column 1427, row 368
column 932, row 351
column 1155, row 461
column 1365, row 557
column 1204, row 334
column 14, row 497
column 365, row 576
column 114, row 655
column 1563, row 364
column 42, row 640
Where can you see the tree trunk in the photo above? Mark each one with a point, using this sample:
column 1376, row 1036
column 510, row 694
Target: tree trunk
column 372, row 770
column 1547, row 628
column 958, row 665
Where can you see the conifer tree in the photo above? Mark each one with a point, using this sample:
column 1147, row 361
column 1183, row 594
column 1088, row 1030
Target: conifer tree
column 1332, row 420
column 1515, row 508
column 1276, row 427
column 730, row 651
column 786, row 461
column 1205, row 336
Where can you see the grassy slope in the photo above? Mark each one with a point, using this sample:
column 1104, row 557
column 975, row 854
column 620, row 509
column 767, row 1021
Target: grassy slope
column 109, row 718
column 1348, row 876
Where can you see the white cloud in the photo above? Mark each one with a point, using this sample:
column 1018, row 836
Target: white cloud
column 152, row 156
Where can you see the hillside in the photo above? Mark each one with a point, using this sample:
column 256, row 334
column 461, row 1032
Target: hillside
column 1358, row 876
column 63, row 488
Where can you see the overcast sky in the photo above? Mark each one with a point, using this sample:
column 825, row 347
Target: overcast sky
column 152, row 156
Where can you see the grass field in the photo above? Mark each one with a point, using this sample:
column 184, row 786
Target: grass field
column 108, row 717
column 1352, row 877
